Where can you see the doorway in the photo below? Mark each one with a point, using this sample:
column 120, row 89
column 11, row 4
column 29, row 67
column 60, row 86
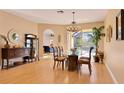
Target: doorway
column 48, row 40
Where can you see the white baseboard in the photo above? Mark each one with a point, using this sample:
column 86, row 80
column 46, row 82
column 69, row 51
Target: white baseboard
column 114, row 79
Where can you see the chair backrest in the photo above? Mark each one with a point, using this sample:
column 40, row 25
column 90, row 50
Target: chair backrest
column 54, row 52
column 62, row 51
column 59, row 51
column 91, row 48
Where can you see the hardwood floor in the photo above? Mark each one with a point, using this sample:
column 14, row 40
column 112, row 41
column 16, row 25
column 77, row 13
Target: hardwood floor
column 42, row 73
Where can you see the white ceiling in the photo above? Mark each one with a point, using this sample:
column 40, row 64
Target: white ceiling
column 51, row 16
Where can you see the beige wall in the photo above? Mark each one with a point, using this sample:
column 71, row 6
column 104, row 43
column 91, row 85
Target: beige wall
column 114, row 50
column 91, row 25
column 22, row 26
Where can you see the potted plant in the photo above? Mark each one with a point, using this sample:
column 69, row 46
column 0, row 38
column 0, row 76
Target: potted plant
column 97, row 33
column 5, row 39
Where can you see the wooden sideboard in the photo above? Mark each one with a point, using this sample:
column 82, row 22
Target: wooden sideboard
column 11, row 53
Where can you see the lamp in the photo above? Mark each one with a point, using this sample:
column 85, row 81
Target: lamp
column 73, row 27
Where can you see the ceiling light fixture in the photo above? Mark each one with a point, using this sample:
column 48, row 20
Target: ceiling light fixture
column 73, row 27
column 60, row 11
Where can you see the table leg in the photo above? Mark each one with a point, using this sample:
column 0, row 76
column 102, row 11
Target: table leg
column 7, row 63
column 62, row 65
column 2, row 63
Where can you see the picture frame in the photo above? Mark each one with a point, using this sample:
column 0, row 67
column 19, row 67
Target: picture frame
column 59, row 38
column 109, row 33
column 13, row 36
column 120, row 25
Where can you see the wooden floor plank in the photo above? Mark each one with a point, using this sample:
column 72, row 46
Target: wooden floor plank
column 42, row 73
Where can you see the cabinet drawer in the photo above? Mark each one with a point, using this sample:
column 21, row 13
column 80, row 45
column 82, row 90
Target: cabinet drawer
column 19, row 52
column 11, row 53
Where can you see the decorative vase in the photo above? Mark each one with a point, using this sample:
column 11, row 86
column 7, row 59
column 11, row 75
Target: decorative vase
column 73, row 51
column 96, row 58
column 7, row 45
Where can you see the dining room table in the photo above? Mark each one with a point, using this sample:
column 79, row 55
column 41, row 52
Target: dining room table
column 72, row 58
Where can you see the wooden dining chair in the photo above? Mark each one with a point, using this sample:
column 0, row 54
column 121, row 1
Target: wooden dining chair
column 86, row 60
column 61, row 53
column 58, row 59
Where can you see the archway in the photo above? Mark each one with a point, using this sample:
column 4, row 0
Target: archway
column 48, row 40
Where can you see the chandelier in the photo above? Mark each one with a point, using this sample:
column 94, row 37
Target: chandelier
column 73, row 27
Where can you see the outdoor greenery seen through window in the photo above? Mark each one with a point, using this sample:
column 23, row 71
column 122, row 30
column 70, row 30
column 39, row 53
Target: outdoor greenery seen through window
column 83, row 41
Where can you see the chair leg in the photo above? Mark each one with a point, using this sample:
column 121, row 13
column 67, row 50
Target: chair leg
column 78, row 67
column 54, row 65
column 57, row 64
column 66, row 64
column 62, row 65
column 2, row 63
column 89, row 65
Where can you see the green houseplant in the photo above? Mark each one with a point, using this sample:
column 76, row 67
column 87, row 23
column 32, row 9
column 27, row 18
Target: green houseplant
column 97, row 33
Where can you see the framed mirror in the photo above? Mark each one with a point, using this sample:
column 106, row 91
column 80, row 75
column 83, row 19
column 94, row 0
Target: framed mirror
column 13, row 36
column 120, row 25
